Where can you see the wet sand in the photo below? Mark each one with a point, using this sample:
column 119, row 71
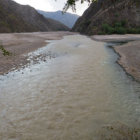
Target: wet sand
column 129, row 53
column 20, row 44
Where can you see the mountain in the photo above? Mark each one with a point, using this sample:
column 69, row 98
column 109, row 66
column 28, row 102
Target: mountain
column 23, row 18
column 110, row 17
column 67, row 19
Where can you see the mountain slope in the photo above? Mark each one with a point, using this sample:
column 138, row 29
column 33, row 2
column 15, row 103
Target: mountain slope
column 20, row 18
column 67, row 19
column 109, row 17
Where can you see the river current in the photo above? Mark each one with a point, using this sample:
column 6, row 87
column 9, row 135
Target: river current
column 78, row 93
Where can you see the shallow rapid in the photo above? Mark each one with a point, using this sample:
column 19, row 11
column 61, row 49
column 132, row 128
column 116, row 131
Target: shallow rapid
column 79, row 93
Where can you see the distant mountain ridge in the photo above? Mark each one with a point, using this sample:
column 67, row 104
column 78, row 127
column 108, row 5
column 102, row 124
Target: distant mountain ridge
column 67, row 19
column 23, row 18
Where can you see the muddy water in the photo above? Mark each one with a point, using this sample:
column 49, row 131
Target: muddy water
column 74, row 95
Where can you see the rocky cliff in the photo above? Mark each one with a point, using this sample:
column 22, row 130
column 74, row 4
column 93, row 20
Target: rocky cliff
column 110, row 17
column 19, row 18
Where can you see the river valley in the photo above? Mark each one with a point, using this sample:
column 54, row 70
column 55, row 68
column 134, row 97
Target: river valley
column 77, row 93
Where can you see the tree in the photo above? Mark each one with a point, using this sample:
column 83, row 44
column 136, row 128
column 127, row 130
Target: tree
column 72, row 4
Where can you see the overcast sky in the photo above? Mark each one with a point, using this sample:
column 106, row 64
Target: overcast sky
column 52, row 5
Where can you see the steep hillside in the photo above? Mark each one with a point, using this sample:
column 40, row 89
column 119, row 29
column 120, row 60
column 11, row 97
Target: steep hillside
column 19, row 18
column 67, row 19
column 110, row 17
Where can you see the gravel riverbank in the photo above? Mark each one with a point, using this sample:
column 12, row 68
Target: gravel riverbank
column 20, row 44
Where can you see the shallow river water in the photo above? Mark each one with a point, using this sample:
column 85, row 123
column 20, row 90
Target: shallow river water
column 79, row 93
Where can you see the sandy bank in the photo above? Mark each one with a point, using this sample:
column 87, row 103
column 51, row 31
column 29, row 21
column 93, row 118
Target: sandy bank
column 108, row 38
column 130, row 58
column 129, row 53
column 22, row 43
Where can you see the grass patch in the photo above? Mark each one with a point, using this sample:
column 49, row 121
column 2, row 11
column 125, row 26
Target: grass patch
column 4, row 51
column 118, row 28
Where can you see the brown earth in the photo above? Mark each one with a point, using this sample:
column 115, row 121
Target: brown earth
column 19, row 44
column 129, row 53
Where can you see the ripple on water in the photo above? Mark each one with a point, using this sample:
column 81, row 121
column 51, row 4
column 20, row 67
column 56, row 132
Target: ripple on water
column 81, row 94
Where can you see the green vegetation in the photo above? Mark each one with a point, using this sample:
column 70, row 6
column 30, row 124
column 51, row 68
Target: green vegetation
column 72, row 4
column 4, row 51
column 87, row 23
column 118, row 28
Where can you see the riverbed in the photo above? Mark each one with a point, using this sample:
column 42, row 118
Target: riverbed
column 78, row 92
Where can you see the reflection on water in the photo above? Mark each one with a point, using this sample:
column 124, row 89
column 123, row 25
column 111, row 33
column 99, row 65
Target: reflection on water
column 72, row 96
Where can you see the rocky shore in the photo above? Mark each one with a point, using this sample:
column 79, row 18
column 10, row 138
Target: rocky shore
column 20, row 44
column 129, row 53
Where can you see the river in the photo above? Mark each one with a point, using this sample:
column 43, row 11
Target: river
column 79, row 93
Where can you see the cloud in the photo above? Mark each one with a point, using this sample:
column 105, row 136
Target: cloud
column 52, row 5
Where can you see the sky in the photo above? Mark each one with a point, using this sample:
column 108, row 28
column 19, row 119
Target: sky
column 52, row 5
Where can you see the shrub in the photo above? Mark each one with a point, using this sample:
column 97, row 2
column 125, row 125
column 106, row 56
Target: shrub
column 116, row 15
column 4, row 51
column 107, row 29
column 120, row 30
column 123, row 23
column 101, row 33
column 118, row 24
column 87, row 22
column 133, row 30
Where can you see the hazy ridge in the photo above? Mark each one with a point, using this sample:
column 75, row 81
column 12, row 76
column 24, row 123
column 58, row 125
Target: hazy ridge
column 67, row 19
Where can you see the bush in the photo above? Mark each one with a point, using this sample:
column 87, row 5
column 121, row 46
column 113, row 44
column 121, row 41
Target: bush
column 107, row 29
column 101, row 33
column 116, row 15
column 123, row 23
column 133, row 30
column 4, row 51
column 118, row 24
column 120, row 30
column 87, row 22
